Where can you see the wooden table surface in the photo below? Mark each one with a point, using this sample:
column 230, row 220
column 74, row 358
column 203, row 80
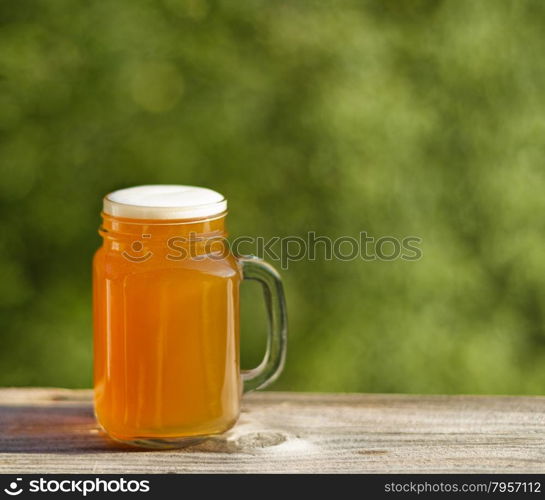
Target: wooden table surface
column 53, row 431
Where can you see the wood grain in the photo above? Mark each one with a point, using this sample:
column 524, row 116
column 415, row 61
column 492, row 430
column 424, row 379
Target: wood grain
column 53, row 431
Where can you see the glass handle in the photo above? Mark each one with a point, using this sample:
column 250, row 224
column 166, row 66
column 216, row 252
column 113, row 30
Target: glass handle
column 254, row 268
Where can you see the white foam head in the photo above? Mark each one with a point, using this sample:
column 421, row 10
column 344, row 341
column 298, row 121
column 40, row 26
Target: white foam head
column 164, row 202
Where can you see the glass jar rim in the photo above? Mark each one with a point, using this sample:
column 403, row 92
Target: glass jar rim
column 128, row 221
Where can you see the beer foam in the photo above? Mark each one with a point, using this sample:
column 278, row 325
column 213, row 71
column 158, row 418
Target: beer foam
column 164, row 202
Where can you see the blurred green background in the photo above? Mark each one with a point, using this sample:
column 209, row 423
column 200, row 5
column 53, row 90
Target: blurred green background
column 400, row 118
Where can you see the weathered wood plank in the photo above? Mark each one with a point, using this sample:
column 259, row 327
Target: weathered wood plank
column 53, row 430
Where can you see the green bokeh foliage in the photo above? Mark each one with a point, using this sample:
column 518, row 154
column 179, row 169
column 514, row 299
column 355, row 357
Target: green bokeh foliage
column 398, row 118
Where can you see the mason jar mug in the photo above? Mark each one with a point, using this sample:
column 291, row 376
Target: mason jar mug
column 166, row 318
